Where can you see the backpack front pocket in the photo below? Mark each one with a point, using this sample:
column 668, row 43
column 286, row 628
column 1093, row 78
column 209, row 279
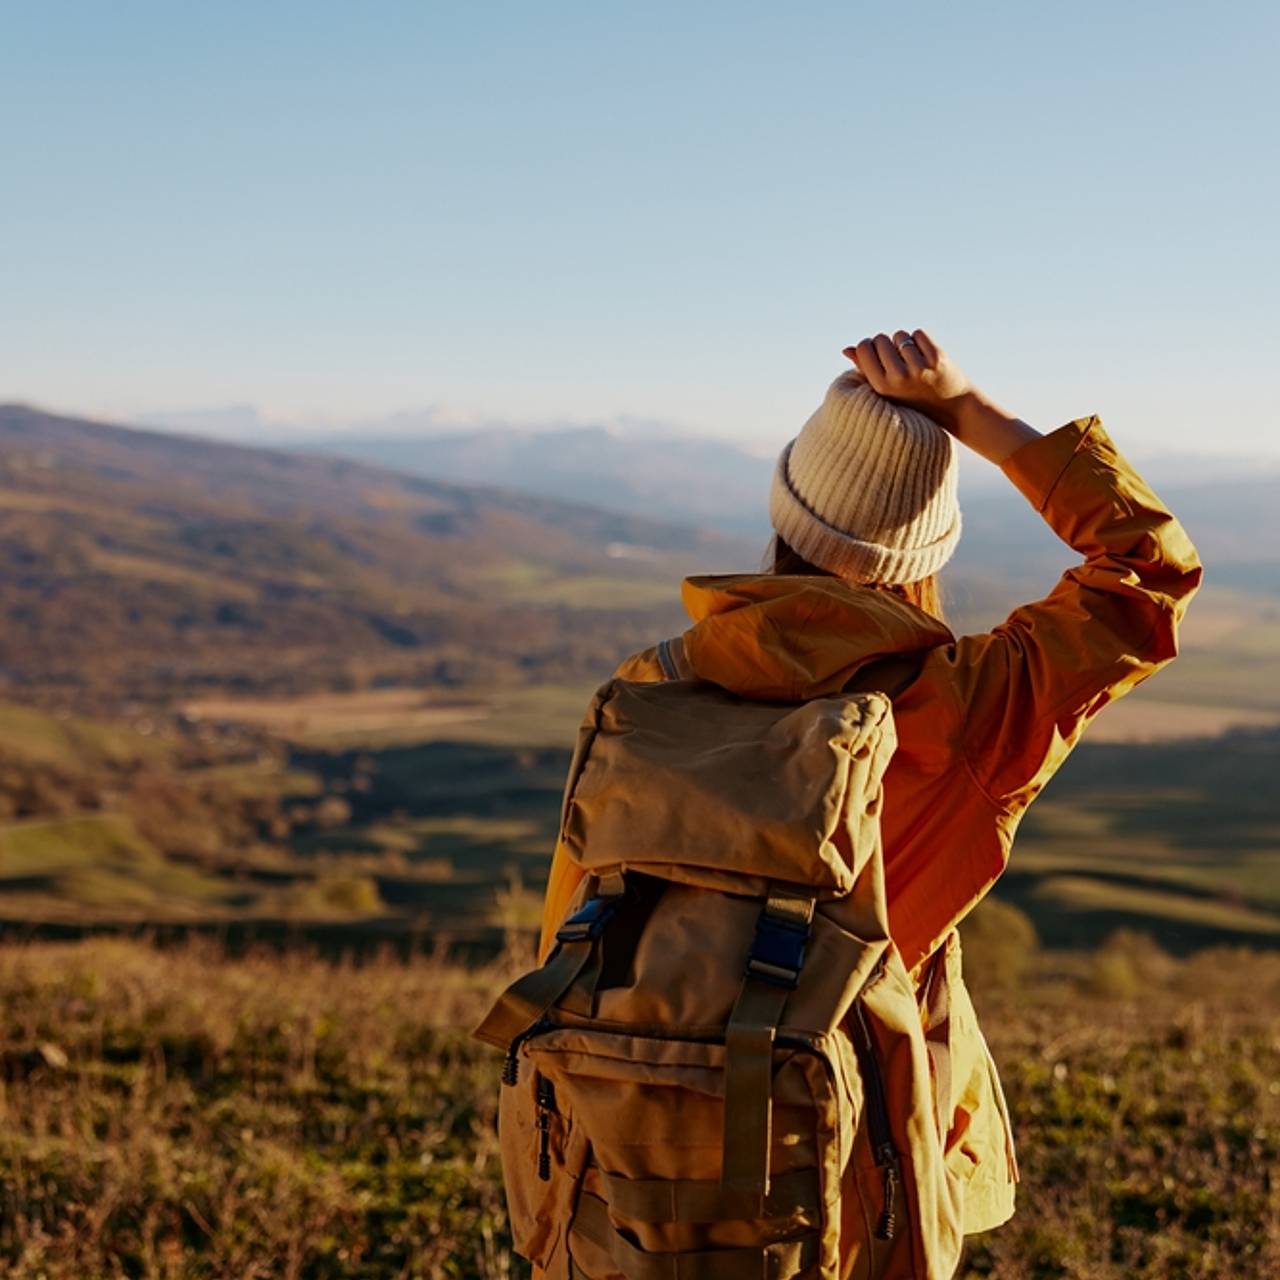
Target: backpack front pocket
column 653, row 1112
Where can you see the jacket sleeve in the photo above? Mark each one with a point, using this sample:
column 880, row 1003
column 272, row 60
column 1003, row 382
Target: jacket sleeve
column 1028, row 688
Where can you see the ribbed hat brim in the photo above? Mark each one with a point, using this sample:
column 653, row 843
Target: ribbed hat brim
column 838, row 552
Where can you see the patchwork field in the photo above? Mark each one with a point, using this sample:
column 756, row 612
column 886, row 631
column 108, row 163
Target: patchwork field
column 349, row 817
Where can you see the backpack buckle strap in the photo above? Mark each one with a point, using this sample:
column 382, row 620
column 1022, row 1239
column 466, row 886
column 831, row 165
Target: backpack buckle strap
column 526, row 1001
column 587, row 926
column 782, row 935
column 748, row 1091
column 588, row 922
column 773, row 972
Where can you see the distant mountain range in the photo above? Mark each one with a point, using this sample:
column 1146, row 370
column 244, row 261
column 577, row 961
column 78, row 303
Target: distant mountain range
column 1232, row 513
column 696, row 481
column 558, row 459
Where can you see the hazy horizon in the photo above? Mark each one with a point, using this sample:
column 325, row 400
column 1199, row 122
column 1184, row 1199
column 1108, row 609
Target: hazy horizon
column 243, row 424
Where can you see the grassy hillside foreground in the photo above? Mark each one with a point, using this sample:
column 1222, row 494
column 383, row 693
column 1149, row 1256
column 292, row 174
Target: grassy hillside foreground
column 184, row 1114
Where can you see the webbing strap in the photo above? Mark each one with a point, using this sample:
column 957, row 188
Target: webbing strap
column 749, row 1037
column 748, row 1089
column 530, row 996
column 661, row 1200
column 580, row 997
column 672, row 659
column 778, row 1261
column 937, row 1009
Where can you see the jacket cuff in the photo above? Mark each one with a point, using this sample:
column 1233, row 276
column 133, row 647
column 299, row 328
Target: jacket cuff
column 1036, row 467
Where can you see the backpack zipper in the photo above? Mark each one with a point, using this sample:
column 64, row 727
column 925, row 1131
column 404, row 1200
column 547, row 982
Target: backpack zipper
column 546, row 1094
column 882, row 1144
column 511, row 1064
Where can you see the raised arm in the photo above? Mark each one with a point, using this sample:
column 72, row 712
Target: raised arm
column 1026, row 690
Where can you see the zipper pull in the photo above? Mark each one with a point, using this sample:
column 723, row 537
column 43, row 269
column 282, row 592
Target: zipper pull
column 511, row 1064
column 888, row 1219
column 544, row 1152
column 546, row 1105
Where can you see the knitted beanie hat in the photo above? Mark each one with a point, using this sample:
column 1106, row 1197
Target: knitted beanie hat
column 867, row 490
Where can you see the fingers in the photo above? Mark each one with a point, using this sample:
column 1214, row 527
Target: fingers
column 890, row 356
column 868, row 361
column 932, row 353
column 913, row 357
column 884, row 360
column 911, row 369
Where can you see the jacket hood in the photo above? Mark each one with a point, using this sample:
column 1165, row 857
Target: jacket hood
column 783, row 637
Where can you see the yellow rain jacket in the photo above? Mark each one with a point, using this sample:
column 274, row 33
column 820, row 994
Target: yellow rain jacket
column 980, row 730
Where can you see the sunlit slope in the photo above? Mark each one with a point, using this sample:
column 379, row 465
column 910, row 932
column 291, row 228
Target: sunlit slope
column 1182, row 838
column 143, row 564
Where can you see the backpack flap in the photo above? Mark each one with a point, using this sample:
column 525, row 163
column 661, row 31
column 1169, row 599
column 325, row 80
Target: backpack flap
column 685, row 781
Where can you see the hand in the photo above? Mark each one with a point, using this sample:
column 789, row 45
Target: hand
column 920, row 374
column 911, row 369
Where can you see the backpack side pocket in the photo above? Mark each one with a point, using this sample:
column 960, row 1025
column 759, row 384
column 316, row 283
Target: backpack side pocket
column 926, row 1239
column 543, row 1158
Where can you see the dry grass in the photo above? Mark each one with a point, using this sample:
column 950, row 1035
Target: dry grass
column 184, row 1114
column 1146, row 1098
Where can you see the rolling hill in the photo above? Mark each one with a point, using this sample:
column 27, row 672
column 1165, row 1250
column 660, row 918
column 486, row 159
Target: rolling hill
column 706, row 482
column 139, row 564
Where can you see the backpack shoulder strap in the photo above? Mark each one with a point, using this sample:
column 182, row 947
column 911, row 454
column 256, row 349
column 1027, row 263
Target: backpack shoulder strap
column 673, row 660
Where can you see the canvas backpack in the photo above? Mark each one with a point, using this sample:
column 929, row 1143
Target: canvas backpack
column 723, row 1070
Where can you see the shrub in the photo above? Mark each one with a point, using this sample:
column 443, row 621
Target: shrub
column 1000, row 944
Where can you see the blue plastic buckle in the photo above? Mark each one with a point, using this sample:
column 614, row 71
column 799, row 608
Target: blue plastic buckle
column 588, row 922
column 777, row 951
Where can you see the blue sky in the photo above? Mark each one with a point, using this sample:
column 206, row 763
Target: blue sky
column 677, row 211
